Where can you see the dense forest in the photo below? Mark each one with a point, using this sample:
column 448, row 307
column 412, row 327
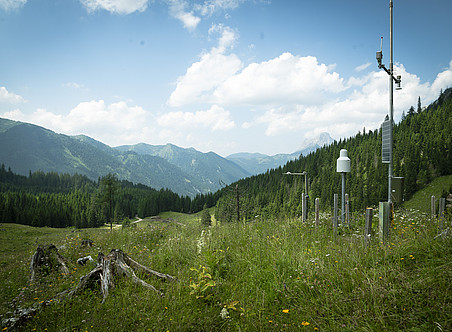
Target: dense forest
column 61, row 200
column 422, row 150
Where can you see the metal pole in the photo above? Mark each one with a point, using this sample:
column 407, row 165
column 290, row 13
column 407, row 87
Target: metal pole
column 335, row 214
column 343, row 200
column 391, row 101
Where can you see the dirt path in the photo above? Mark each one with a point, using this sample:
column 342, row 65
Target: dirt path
column 133, row 222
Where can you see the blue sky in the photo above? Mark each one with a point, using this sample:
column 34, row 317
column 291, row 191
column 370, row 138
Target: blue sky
column 218, row 75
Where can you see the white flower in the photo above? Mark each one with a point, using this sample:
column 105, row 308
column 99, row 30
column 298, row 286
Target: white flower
column 224, row 314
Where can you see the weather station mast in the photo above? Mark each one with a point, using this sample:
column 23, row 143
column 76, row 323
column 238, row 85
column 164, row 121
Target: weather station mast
column 386, row 208
column 388, row 123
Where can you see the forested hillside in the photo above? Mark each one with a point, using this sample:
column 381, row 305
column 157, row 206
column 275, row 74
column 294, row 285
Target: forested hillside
column 25, row 147
column 422, row 151
column 61, row 200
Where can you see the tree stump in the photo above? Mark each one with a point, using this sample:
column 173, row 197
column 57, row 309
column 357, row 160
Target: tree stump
column 45, row 260
column 117, row 263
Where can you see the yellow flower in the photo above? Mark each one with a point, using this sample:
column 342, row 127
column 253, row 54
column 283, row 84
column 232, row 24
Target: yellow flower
column 304, row 323
column 286, row 311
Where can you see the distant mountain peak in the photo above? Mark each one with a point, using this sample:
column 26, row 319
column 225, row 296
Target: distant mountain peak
column 310, row 145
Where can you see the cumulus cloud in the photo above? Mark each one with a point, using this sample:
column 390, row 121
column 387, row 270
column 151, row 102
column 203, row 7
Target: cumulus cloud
column 8, row 5
column 363, row 104
column 203, row 76
column 285, row 79
column 116, row 6
column 9, row 97
column 117, row 123
column 215, row 118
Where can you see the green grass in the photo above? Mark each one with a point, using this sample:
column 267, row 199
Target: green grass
column 421, row 200
column 268, row 275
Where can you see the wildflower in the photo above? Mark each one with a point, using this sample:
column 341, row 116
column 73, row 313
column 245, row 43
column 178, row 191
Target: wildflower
column 224, row 313
column 286, row 311
column 304, row 323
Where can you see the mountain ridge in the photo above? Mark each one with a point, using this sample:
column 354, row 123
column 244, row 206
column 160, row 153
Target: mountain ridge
column 27, row 147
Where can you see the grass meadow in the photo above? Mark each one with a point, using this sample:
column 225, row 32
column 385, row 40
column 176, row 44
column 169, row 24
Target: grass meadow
column 265, row 275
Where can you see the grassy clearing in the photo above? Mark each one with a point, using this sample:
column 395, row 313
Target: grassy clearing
column 262, row 276
column 421, row 199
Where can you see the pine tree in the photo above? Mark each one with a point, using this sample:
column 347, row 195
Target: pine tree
column 206, row 218
column 109, row 185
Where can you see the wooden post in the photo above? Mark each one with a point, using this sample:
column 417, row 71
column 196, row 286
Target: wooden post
column 335, row 213
column 303, row 207
column 317, row 212
column 347, row 210
column 384, row 218
column 433, row 206
column 368, row 226
column 442, row 207
column 237, row 198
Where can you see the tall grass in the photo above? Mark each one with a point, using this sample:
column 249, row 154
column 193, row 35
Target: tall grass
column 266, row 275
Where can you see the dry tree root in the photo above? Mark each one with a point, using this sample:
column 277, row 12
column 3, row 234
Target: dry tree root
column 116, row 263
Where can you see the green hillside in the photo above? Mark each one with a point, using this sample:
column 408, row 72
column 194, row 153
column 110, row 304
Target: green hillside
column 210, row 169
column 25, row 147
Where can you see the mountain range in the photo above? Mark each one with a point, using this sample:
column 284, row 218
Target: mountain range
column 28, row 148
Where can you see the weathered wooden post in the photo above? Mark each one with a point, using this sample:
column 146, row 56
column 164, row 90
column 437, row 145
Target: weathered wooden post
column 237, row 199
column 433, row 206
column 303, row 207
column 442, row 207
column 368, row 226
column 384, row 218
column 335, row 213
column 347, row 210
column 317, row 212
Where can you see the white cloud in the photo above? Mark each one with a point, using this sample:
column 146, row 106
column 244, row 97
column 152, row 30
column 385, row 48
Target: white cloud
column 364, row 106
column 72, row 85
column 227, row 39
column 177, row 9
column 363, row 67
column 209, row 7
column 9, row 5
column 284, row 80
column 9, row 97
column 113, row 124
column 116, row 6
column 215, row 118
column 208, row 73
column 444, row 79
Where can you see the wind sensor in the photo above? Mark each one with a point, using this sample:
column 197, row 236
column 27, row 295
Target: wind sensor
column 397, row 79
